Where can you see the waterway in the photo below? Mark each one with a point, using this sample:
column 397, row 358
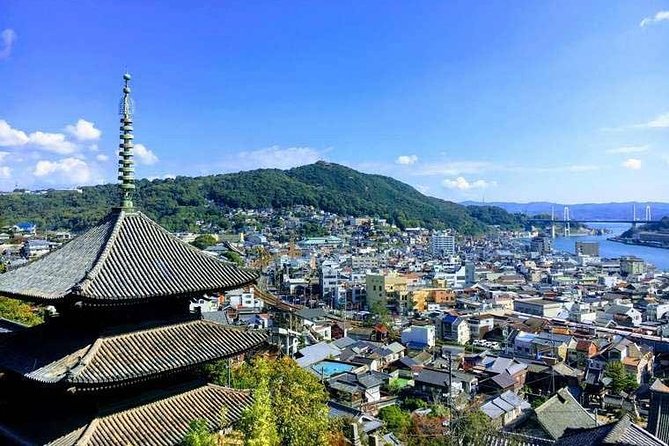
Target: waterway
column 608, row 249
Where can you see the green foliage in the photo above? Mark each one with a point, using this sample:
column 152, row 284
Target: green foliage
column 298, row 399
column 412, row 404
column 178, row 203
column 397, row 420
column 204, row 241
column 258, row 422
column 621, row 380
column 198, row 435
column 471, row 428
column 17, row 311
column 234, row 257
column 538, row 401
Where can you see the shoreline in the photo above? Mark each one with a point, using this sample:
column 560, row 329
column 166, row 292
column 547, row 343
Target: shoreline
column 626, row 241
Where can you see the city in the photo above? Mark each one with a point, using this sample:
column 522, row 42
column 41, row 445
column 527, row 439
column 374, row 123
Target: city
column 305, row 225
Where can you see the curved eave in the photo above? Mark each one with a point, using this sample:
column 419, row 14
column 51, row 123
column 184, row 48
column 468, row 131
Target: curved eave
column 93, row 386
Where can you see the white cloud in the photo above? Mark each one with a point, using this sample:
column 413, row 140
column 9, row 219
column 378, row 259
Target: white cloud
column 3, row 155
column 5, row 172
column 629, row 149
column 461, row 183
column 10, row 136
column 8, row 37
column 276, row 157
column 660, row 16
column 102, row 157
column 167, row 176
column 144, row 155
column 581, row 168
column 457, row 168
column 660, row 122
column 52, row 142
column 632, row 163
column 84, row 131
column 67, row 170
column 406, row 160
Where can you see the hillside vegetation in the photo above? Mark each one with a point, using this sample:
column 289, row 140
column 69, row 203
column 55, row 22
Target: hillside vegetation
column 178, row 203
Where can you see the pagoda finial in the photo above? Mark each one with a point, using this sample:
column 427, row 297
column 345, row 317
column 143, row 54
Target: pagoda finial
column 126, row 171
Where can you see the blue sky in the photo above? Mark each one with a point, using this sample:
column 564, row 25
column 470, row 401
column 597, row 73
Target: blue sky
column 518, row 101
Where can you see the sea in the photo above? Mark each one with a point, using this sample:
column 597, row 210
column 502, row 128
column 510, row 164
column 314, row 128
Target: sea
column 608, row 249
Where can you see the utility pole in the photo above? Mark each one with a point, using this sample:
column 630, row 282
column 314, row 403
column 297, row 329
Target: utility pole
column 450, row 391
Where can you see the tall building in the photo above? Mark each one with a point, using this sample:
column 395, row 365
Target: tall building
column 590, row 249
column 119, row 362
column 442, row 245
column 541, row 244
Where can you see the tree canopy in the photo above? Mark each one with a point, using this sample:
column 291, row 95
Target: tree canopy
column 17, row 311
column 180, row 203
column 288, row 401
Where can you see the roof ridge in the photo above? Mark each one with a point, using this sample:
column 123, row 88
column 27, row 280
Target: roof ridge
column 83, row 361
column 618, row 429
column 87, row 433
column 102, row 256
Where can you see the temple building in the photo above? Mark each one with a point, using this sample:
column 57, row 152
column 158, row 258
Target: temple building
column 120, row 361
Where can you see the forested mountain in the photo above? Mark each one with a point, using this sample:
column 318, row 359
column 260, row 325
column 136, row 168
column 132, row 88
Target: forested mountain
column 179, row 203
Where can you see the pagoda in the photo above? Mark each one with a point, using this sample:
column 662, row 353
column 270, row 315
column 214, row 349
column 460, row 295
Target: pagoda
column 120, row 361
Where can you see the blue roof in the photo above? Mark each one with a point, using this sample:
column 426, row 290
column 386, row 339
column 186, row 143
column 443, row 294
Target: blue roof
column 449, row 318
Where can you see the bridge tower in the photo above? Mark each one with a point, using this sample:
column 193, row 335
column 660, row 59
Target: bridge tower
column 566, row 219
column 634, row 220
column 553, row 222
column 648, row 214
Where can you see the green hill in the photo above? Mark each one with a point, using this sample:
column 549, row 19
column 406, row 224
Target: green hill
column 179, row 203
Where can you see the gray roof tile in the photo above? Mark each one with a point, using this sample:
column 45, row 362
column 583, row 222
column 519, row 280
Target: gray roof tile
column 126, row 257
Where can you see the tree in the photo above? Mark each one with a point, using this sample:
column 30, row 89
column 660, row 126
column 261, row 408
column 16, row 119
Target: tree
column 17, row 311
column 396, row 419
column 198, row 435
column 471, row 428
column 621, row 380
column 234, row 257
column 204, row 241
column 258, row 423
column 298, row 399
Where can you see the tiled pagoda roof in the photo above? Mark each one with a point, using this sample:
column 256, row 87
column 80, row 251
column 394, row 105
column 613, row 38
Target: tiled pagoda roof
column 127, row 257
column 164, row 422
column 74, row 358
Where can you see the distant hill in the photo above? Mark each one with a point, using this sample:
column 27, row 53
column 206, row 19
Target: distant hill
column 603, row 211
column 178, row 203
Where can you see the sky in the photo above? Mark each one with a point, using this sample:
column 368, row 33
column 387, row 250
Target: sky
column 564, row 101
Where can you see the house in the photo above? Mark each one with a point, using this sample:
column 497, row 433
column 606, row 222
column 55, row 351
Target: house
column 561, row 412
column 579, row 355
column 25, row 227
column 356, row 389
column 622, row 433
column 453, row 328
column 433, row 384
column 505, row 409
column 34, row 248
column 480, row 325
column 622, row 315
column 419, row 336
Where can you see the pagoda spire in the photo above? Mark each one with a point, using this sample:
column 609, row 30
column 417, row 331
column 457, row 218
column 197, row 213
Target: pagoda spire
column 126, row 171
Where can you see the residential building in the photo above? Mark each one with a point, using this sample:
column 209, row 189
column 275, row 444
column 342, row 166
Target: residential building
column 419, row 336
column 538, row 307
column 453, row 328
column 590, row 249
column 442, row 244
